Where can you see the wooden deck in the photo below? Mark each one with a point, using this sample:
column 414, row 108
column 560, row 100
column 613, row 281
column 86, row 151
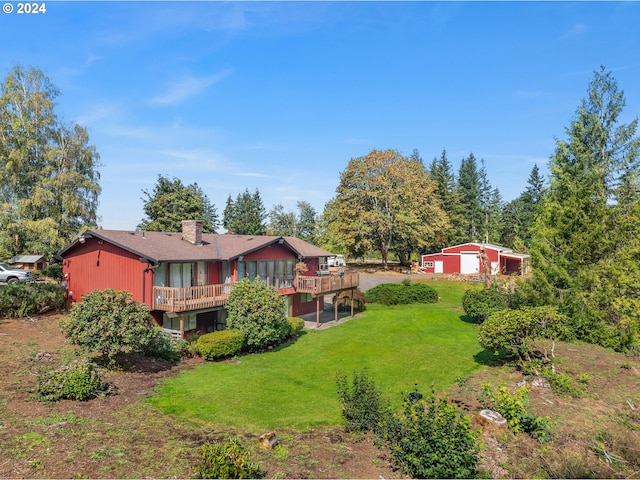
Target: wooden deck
column 318, row 286
column 170, row 299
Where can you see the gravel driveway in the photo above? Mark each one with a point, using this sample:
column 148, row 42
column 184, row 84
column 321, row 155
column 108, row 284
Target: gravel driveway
column 368, row 281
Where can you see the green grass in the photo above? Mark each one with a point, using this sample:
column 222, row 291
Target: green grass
column 294, row 385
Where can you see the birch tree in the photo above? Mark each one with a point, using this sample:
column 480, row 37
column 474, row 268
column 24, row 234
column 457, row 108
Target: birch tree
column 48, row 170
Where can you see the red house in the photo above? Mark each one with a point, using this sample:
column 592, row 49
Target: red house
column 185, row 278
column 467, row 259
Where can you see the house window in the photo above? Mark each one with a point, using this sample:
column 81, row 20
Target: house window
column 190, row 322
column 428, row 264
column 262, row 271
column 242, row 269
column 272, row 273
column 252, row 268
column 160, row 275
column 180, row 275
column 306, row 298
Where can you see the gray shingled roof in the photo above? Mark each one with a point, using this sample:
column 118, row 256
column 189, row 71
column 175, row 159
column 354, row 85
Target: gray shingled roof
column 164, row 246
column 26, row 258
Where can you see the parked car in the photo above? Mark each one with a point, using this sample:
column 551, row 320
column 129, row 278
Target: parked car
column 13, row 275
column 337, row 261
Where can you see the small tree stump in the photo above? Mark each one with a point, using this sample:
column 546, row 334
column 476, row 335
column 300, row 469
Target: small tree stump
column 268, row 440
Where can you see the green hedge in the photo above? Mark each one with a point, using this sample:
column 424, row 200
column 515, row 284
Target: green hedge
column 296, row 325
column 222, row 343
column 401, row 293
column 480, row 303
column 20, row 299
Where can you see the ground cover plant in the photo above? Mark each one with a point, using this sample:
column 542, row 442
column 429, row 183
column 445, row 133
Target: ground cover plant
column 399, row 345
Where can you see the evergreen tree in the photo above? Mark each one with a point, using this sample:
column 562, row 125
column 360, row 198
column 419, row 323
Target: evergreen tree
column 442, row 173
column 227, row 214
column 469, row 188
column 588, row 221
column 171, row 202
column 246, row 215
column 491, row 206
column 519, row 214
column 306, row 222
column 48, row 170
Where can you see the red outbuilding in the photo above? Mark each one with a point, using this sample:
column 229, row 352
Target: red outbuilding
column 467, row 259
column 185, row 278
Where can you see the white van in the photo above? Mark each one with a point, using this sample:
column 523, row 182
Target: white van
column 337, row 261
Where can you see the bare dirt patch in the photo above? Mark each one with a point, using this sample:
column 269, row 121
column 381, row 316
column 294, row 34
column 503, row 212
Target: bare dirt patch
column 120, row 436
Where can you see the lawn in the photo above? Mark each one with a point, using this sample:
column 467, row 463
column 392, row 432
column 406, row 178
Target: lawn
column 294, row 386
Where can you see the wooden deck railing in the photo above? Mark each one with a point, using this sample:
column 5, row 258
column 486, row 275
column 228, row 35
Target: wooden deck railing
column 327, row 284
column 171, row 299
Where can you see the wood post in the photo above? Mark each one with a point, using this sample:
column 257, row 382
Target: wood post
column 352, row 302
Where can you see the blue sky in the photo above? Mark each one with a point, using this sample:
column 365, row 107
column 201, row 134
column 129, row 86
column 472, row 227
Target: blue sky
column 280, row 96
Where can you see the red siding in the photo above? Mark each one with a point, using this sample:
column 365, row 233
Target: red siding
column 451, row 264
column 272, row 252
column 298, row 307
column 451, row 259
column 97, row 265
column 215, row 273
column 467, row 247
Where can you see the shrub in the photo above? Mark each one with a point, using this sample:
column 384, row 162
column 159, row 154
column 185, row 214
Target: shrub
column 362, row 403
column 431, row 439
column 222, row 343
column 78, row 380
column 480, row 303
column 401, row 293
column 226, row 460
column 514, row 408
column 296, row 325
column 162, row 345
column 513, row 331
column 53, row 271
column 259, row 312
column 109, row 321
column 20, row 299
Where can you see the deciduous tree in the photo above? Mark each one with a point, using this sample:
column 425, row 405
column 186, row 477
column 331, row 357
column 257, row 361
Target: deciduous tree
column 48, row 170
column 385, row 201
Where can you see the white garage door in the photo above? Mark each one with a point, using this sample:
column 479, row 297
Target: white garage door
column 469, row 263
column 438, row 267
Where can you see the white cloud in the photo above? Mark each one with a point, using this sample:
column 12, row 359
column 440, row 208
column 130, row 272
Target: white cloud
column 188, row 87
column 253, row 175
column 577, row 29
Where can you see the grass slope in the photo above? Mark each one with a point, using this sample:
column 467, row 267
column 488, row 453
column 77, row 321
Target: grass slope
column 294, row 385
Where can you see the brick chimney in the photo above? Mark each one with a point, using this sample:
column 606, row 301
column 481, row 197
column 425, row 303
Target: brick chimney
column 192, row 231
